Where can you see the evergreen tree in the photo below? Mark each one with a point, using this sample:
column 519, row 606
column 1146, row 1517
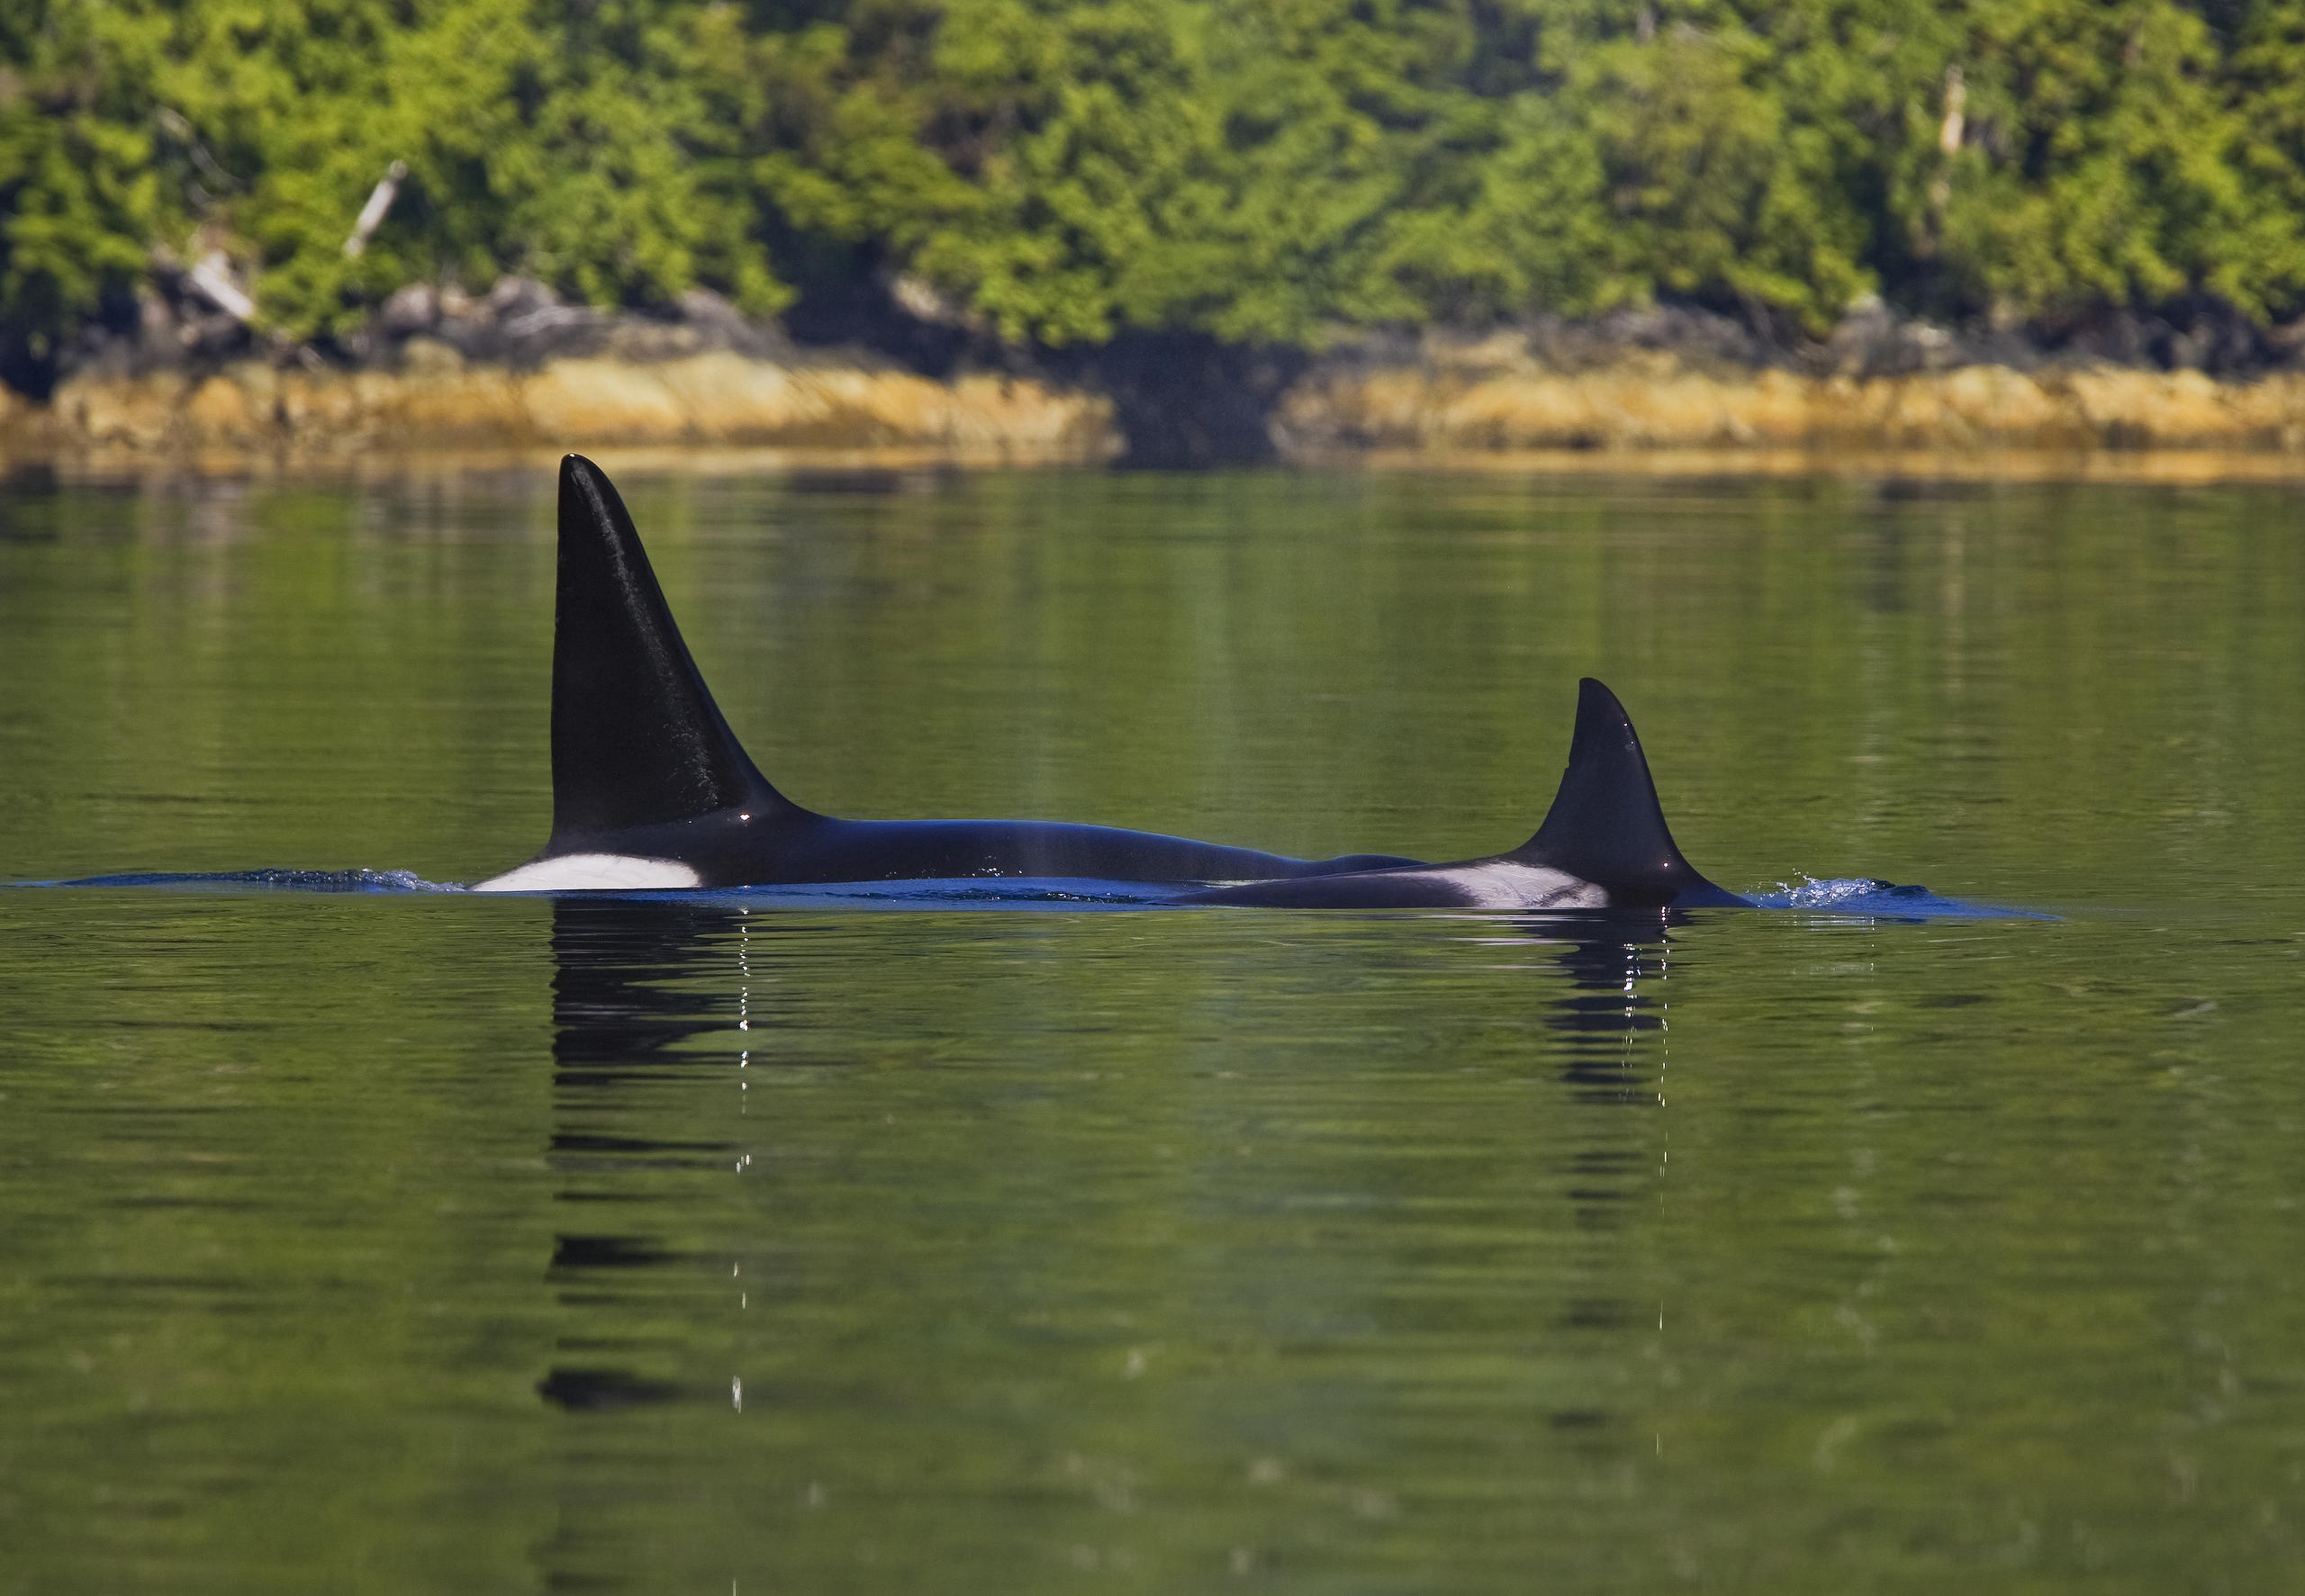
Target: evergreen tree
column 1260, row 170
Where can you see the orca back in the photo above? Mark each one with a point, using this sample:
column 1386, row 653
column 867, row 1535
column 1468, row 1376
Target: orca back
column 636, row 739
column 1605, row 824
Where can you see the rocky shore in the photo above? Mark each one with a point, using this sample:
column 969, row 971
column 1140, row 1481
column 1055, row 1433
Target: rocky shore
column 436, row 402
column 517, row 369
column 1459, row 408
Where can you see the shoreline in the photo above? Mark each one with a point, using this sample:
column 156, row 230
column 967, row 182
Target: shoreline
column 1470, row 409
column 2166, row 467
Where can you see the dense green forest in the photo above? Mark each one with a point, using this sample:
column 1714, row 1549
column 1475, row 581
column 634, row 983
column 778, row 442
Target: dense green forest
column 1260, row 170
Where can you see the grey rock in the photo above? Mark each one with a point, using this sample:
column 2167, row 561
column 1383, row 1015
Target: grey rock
column 412, row 308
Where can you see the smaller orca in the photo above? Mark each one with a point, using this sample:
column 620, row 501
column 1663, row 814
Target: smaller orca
column 651, row 789
column 1603, row 845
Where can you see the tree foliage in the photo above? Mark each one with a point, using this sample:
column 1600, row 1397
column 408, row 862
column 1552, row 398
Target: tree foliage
column 594, row 145
column 1266, row 170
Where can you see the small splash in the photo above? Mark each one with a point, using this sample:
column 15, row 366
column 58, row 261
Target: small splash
column 280, row 880
column 1869, row 895
column 1815, row 894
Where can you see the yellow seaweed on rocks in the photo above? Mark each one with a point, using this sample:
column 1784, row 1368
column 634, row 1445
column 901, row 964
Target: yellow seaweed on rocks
column 435, row 402
column 595, row 401
column 1440, row 407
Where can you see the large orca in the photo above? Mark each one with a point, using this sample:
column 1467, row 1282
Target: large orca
column 1604, row 845
column 650, row 788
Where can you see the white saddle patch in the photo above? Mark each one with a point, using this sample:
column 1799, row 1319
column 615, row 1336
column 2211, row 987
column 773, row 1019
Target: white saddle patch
column 593, row 872
column 1500, row 885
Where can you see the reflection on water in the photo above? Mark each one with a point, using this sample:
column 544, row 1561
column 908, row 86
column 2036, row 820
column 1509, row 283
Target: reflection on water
column 1607, row 1005
column 631, row 982
column 361, row 1237
column 660, row 1009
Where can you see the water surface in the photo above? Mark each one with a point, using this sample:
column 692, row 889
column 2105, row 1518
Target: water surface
column 404, row 1241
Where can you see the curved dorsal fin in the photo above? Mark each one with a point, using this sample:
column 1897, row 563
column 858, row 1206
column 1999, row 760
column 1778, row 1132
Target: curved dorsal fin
column 1605, row 824
column 636, row 738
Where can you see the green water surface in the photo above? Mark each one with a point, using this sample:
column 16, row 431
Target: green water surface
column 422, row 1243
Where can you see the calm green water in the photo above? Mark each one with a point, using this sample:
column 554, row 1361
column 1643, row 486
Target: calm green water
column 424, row 1242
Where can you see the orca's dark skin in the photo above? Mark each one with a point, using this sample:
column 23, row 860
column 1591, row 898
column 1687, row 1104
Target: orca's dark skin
column 650, row 788
column 1604, row 845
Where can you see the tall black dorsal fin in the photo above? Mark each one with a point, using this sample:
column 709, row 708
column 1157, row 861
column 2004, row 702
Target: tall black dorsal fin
column 636, row 739
column 1605, row 824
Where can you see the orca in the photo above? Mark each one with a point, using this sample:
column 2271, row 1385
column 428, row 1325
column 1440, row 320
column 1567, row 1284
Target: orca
column 651, row 789
column 1604, row 845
